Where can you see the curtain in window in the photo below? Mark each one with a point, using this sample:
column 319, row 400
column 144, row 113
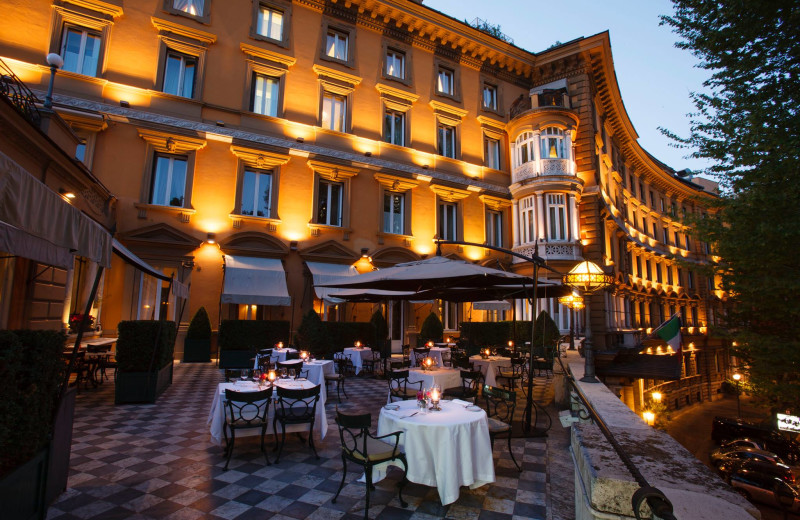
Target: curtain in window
column 189, row 6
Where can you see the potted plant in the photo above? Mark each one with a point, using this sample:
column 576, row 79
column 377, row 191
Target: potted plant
column 239, row 340
column 197, row 344
column 312, row 334
column 32, row 447
column 144, row 360
column 79, row 321
column 432, row 330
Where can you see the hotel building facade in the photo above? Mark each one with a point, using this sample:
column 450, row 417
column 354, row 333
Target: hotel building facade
column 297, row 141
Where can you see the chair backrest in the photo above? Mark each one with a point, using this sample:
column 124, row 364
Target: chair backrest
column 398, row 382
column 265, row 352
column 461, row 361
column 420, row 354
column 96, row 349
column 246, row 409
column 471, row 379
column 292, row 355
column 297, row 404
column 500, row 403
column 297, row 366
column 406, row 352
column 343, row 362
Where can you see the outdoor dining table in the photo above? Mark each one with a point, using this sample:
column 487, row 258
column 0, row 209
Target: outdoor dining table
column 445, row 449
column 435, row 353
column 216, row 416
column 357, row 356
column 279, row 354
column 488, row 367
column 316, row 371
column 444, row 377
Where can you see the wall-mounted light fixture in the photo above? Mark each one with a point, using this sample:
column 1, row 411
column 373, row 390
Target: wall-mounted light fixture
column 124, row 104
column 293, row 245
column 66, row 193
column 211, row 238
column 220, row 123
column 424, row 166
column 364, row 252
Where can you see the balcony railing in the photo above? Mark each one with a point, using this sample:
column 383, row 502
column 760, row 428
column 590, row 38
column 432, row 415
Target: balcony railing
column 20, row 96
column 542, row 167
column 551, row 251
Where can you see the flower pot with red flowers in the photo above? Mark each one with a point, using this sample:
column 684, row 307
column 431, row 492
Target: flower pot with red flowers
column 79, row 322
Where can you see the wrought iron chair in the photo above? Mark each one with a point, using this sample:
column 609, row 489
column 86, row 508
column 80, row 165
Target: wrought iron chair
column 447, row 358
column 295, row 406
column 470, row 384
column 245, row 410
column 372, row 363
column 512, row 375
column 365, row 449
column 500, row 406
column 297, row 367
column 343, row 366
column 461, row 361
column 399, row 386
column 420, row 354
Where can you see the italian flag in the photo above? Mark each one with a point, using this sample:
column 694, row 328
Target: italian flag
column 670, row 331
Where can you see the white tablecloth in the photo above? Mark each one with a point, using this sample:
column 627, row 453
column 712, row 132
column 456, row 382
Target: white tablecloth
column 435, row 353
column 216, row 416
column 278, row 356
column 358, row 355
column 446, row 449
column 444, row 377
column 316, row 373
column 489, row 367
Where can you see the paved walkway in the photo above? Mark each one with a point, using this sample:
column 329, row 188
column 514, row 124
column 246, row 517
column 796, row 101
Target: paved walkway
column 157, row 461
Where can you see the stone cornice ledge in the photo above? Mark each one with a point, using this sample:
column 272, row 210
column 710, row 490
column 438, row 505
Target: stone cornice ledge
column 606, row 484
column 134, row 115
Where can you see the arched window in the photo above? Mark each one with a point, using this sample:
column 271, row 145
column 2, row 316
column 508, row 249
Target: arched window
column 523, row 148
column 552, row 143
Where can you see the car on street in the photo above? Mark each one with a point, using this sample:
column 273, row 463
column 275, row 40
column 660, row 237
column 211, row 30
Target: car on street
column 765, row 487
column 738, row 453
column 733, row 466
column 742, row 443
column 724, row 429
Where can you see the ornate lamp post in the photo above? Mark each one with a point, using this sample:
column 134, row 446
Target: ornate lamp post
column 56, row 62
column 588, row 277
column 737, row 377
column 573, row 302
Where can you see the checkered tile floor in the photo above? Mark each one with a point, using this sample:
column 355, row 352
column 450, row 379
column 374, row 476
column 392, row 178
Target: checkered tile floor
column 157, row 461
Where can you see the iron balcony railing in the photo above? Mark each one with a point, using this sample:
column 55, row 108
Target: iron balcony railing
column 18, row 94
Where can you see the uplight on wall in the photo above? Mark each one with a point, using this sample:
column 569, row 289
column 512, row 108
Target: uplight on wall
column 211, row 238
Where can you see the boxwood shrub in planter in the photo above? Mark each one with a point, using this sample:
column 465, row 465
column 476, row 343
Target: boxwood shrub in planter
column 144, row 360
column 197, row 344
column 239, row 340
column 31, row 372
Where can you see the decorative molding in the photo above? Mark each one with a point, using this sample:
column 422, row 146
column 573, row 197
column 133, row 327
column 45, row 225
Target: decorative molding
column 264, row 54
column 395, row 183
column 166, row 29
column 386, row 90
column 449, row 194
column 326, row 72
column 259, row 158
column 448, row 111
column 332, row 171
column 254, row 243
column 492, row 124
column 495, row 203
column 97, row 6
column 329, row 251
column 171, row 143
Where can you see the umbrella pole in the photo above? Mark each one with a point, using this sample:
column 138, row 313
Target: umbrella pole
column 528, row 427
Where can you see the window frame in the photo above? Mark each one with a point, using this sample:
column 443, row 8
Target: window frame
column 442, row 128
column 332, row 173
column 404, row 131
column 193, row 43
column 392, row 184
column 559, row 134
column 204, row 17
column 440, row 65
column 345, row 116
column 260, row 161
column 449, row 312
column 551, row 210
column 403, row 210
column 184, row 57
column 395, row 52
column 343, row 29
column 172, row 158
column 341, row 200
column 241, row 193
column 86, row 19
column 441, row 231
column 285, row 8
column 496, row 84
column 487, row 140
column 255, row 75
column 85, row 33
column 495, row 227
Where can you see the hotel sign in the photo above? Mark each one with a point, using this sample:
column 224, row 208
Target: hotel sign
column 789, row 423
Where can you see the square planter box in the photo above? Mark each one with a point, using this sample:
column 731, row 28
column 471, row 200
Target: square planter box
column 236, row 359
column 22, row 492
column 141, row 387
column 196, row 350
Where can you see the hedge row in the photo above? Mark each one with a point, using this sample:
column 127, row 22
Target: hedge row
column 136, row 342
column 252, row 335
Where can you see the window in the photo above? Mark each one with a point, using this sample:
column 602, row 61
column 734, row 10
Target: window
column 193, row 7
column 632, row 186
column 552, row 143
column 669, row 279
column 655, row 230
column 641, row 191
column 689, row 279
column 523, row 149
column 329, row 202
column 688, row 243
column 445, row 82
column 269, row 23
column 336, row 45
column 264, row 95
column 169, row 181
column 256, row 197
column 662, row 204
column 448, row 214
column 179, row 74
column 394, row 213
column 648, row 269
column 446, row 140
column 394, row 126
column 665, row 235
column 80, row 150
column 658, row 272
column 677, row 239
column 527, row 217
column 334, row 112
column 395, row 64
column 557, row 217
column 491, row 152
column 449, row 315
column 639, row 266
column 489, row 96
column 680, row 276
column 81, row 51
column 494, row 228
column 652, row 200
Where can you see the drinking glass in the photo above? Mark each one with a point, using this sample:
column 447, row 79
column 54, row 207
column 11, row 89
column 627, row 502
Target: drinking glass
column 283, row 373
column 244, row 374
column 256, row 374
column 291, row 373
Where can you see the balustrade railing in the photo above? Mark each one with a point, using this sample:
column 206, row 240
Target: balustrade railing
column 542, row 167
column 18, row 94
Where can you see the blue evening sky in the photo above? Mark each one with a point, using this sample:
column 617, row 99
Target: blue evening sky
column 655, row 78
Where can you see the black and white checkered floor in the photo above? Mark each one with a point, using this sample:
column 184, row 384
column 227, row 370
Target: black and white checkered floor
column 158, row 461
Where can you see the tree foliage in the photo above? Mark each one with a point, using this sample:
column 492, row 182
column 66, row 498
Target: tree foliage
column 747, row 124
column 432, row 329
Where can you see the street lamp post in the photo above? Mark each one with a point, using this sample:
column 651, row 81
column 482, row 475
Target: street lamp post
column 588, row 277
column 736, row 377
column 56, row 62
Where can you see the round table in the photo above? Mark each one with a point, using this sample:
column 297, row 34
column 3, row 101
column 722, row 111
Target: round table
column 435, row 353
column 357, row 356
column 488, row 367
column 445, row 449
column 444, row 377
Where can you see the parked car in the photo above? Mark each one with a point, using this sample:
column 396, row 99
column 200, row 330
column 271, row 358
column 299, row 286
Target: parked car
column 759, row 486
column 742, row 443
column 736, row 453
column 781, row 471
column 725, row 429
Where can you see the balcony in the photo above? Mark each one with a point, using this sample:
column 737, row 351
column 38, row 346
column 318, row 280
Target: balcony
column 550, row 251
column 542, row 167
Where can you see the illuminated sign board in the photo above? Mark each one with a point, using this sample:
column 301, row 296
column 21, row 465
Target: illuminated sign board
column 790, row 423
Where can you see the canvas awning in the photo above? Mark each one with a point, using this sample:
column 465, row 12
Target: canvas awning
column 492, row 305
column 19, row 243
column 36, row 210
column 323, row 273
column 254, row 281
column 178, row 289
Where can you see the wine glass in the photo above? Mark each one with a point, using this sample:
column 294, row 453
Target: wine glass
column 291, row 373
column 244, row 374
column 256, row 374
column 283, row 372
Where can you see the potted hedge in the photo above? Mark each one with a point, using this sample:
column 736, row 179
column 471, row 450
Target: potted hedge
column 432, row 330
column 313, row 335
column 32, row 447
column 197, row 344
column 239, row 340
column 144, row 360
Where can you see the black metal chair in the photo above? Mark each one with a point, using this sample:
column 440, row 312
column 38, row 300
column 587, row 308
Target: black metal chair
column 420, row 354
column 297, row 367
column 245, row 410
column 343, row 366
column 511, row 375
column 292, row 355
column 447, row 358
column 295, row 406
column 373, row 363
column 365, row 449
column 461, row 361
column 470, row 384
column 399, row 386
column 500, row 406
